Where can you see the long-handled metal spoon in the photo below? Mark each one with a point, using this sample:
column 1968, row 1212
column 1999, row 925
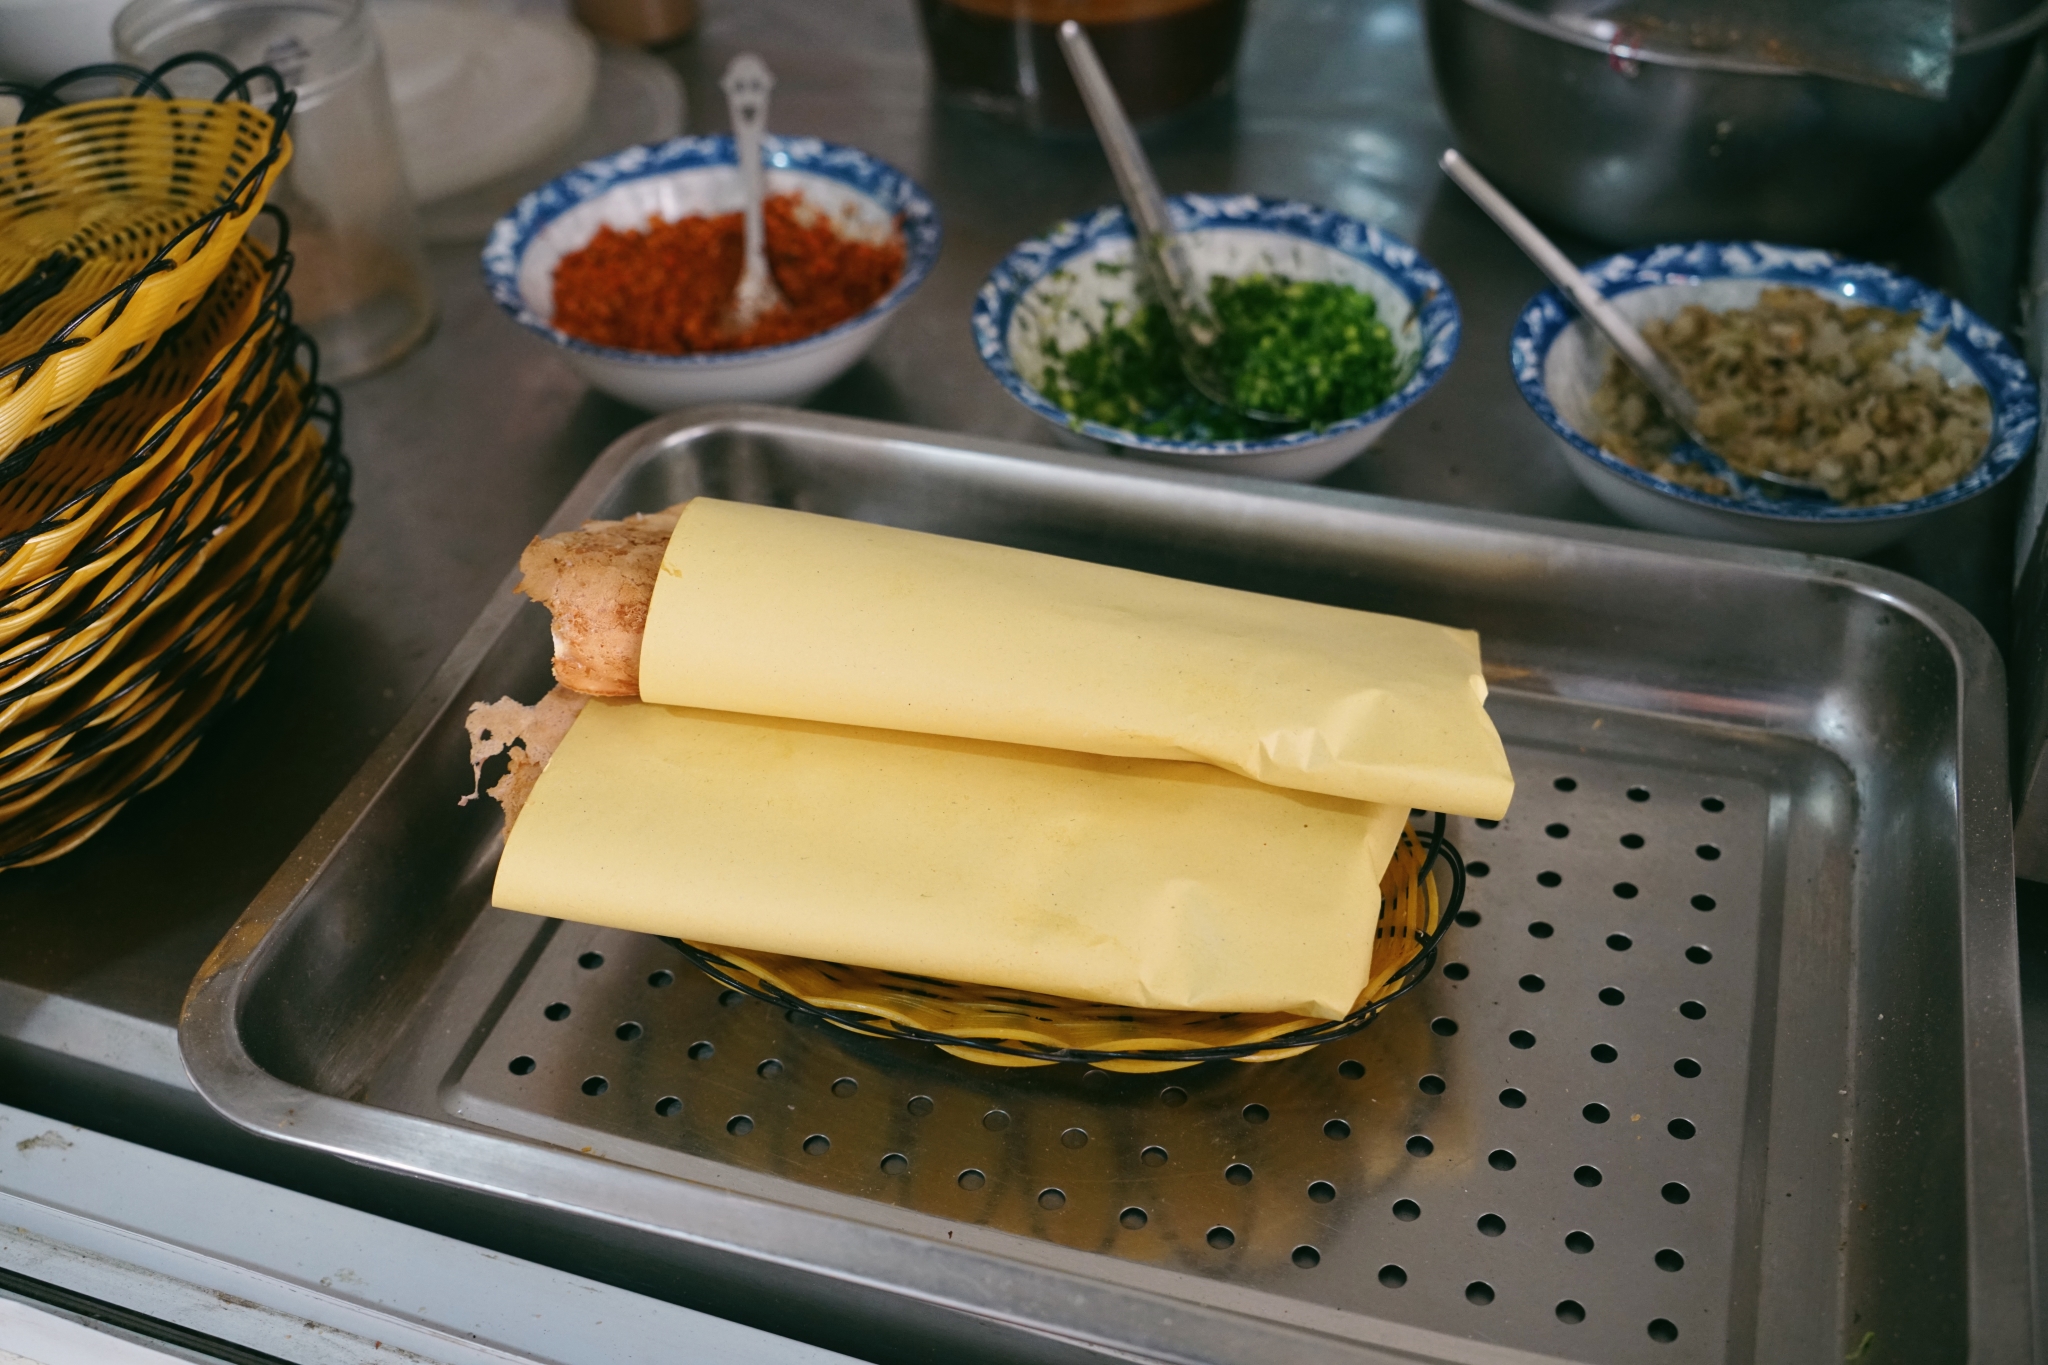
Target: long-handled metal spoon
column 1162, row 260
column 746, row 83
column 1672, row 395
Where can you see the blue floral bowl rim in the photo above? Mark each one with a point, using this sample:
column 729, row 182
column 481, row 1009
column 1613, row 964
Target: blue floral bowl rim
column 512, row 234
column 1437, row 319
column 1987, row 352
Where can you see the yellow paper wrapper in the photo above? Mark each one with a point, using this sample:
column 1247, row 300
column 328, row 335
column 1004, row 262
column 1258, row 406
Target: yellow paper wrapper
column 773, row 612
column 1142, row 882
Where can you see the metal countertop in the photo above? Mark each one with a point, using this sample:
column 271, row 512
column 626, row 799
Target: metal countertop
column 463, row 448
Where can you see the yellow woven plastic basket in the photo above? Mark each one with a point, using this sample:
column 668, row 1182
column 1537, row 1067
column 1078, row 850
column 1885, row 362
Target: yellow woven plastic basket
column 116, row 215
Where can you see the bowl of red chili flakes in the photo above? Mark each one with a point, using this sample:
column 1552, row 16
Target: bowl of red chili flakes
column 628, row 264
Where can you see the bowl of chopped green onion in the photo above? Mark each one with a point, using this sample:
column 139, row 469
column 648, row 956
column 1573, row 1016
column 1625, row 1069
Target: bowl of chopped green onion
column 1322, row 315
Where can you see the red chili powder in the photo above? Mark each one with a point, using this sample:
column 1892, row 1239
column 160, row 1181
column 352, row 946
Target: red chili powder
column 670, row 288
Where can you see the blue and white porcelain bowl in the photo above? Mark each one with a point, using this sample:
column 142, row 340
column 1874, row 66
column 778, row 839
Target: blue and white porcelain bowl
column 696, row 175
column 1559, row 359
column 1061, row 287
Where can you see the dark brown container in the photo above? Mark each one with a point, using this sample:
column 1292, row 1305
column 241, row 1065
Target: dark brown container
column 1003, row 56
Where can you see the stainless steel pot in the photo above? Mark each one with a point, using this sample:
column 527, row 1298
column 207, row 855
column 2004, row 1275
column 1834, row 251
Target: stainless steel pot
column 1633, row 147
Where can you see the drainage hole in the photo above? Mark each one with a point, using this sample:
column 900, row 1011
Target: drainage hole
column 1492, row 1225
column 1431, row 1085
column 1052, row 1199
column 664, row 977
column 1539, row 929
column 895, row 1164
column 1477, row 869
column 1571, row 1311
column 1351, row 1071
column 1456, row 971
column 919, row 1106
column 1549, row 879
column 668, row 1106
column 1602, row 1052
column 1512, row 1098
column 971, row 1179
column 1417, row 1145
column 1663, row 1330
column 595, row 1085
column 1522, row 1039
column 701, row 1051
column 995, row 1120
column 769, row 1069
column 1336, row 1130
column 1589, row 1176
column 1693, row 1009
column 1712, row 805
column 1133, row 1218
column 1153, row 1156
column 1609, row 995
column 1307, row 1257
column 557, row 1011
column 1675, row 1193
column 1501, row 1159
column 739, row 1125
column 1578, row 1243
column 1406, row 1210
column 627, row 1031
column 1487, row 824
column 521, row 1066
column 590, row 961
column 1596, row 1113
column 1531, row 983
column 1222, row 1238
column 1631, row 841
column 1681, row 1129
column 1074, row 1139
column 1702, row 902
column 1173, row 1097
column 1638, row 793
column 1621, row 943
column 1667, row 1259
column 1708, row 852
column 1392, row 1276
column 1443, row 1027
column 1479, row 1292
column 1686, row 1067
column 1322, row 1192
column 845, row 1086
column 1238, row 1173
column 1557, row 831
column 730, row 998
column 1256, row 1113
column 817, row 1144
column 1625, row 890
column 1698, row 956
column 1468, row 918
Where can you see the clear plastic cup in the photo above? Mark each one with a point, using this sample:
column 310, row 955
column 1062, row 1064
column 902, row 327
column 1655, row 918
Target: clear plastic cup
column 359, row 279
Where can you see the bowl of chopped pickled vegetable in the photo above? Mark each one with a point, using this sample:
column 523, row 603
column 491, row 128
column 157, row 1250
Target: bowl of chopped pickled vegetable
column 1895, row 400
column 1322, row 315
column 628, row 265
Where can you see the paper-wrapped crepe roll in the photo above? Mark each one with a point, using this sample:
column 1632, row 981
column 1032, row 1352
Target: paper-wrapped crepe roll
column 1142, row 882
column 774, row 612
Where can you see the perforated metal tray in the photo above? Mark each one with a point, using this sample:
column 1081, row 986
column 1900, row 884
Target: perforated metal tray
column 1722, row 1064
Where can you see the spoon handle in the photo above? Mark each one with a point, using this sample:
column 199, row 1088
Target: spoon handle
column 1670, row 390
column 746, row 83
column 1166, row 267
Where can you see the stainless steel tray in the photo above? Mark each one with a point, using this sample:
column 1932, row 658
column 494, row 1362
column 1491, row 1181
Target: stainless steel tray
column 1727, row 1045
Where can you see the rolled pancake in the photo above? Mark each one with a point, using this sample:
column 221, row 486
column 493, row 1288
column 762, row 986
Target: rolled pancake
column 1143, row 882
column 768, row 611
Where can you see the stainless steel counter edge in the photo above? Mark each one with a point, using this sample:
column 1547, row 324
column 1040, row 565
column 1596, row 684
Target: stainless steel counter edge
column 947, row 1274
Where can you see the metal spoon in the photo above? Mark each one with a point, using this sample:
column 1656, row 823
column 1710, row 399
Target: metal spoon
column 1672, row 395
column 746, row 83
column 1162, row 259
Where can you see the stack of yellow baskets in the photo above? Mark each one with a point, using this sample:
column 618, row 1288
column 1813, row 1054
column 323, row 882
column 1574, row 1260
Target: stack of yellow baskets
column 171, row 483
